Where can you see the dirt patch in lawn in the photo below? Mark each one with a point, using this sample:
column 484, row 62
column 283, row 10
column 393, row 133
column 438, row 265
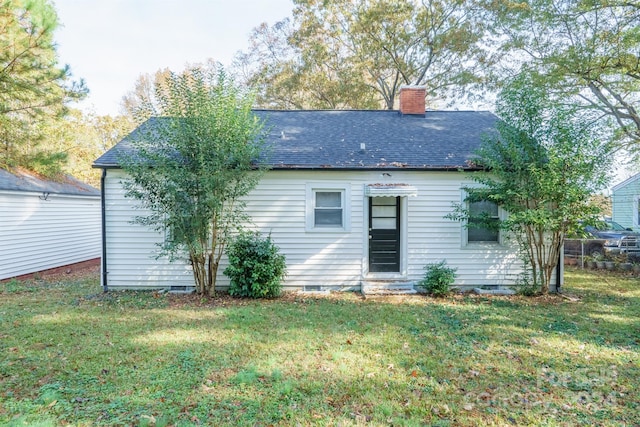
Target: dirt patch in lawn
column 80, row 270
column 223, row 299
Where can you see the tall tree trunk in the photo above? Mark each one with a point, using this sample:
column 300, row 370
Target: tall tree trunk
column 212, row 271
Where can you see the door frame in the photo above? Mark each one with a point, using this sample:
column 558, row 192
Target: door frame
column 402, row 274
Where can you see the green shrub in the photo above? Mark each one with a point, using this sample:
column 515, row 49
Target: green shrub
column 256, row 267
column 525, row 286
column 438, row 279
column 11, row 286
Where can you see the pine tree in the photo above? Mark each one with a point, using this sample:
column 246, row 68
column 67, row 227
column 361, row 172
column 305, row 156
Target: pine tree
column 34, row 88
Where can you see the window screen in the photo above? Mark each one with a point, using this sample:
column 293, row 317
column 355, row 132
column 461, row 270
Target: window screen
column 328, row 209
column 483, row 222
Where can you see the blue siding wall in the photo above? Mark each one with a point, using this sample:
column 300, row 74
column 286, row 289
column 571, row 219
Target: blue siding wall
column 625, row 203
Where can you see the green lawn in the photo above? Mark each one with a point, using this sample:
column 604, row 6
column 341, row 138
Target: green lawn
column 74, row 356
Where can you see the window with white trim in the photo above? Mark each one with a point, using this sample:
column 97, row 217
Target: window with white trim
column 327, row 208
column 482, row 224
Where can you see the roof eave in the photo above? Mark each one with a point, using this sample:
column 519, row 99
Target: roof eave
column 343, row 168
column 433, row 168
column 626, row 182
column 106, row 166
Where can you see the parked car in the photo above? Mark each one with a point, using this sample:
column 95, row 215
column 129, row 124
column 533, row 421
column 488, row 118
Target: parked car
column 606, row 238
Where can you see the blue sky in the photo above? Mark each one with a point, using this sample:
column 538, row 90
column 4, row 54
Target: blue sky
column 110, row 43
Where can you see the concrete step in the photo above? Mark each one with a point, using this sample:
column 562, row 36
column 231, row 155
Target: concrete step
column 368, row 292
column 503, row 291
column 388, row 288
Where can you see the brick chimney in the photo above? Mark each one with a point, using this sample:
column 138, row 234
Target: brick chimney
column 412, row 100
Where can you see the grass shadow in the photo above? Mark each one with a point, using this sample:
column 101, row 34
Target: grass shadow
column 133, row 358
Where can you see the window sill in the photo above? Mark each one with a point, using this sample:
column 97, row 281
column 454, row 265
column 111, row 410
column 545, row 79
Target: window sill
column 385, row 276
column 326, row 230
column 483, row 245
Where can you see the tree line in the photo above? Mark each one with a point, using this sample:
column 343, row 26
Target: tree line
column 343, row 54
column 39, row 130
column 356, row 54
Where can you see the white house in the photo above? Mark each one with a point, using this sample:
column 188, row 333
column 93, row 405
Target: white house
column 353, row 198
column 625, row 198
column 46, row 224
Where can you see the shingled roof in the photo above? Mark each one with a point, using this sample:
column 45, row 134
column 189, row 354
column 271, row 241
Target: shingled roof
column 19, row 180
column 441, row 140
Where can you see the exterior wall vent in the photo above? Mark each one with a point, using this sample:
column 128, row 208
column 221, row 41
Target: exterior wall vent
column 175, row 289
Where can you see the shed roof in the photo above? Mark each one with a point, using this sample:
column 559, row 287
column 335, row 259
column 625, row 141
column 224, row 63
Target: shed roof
column 358, row 139
column 19, row 180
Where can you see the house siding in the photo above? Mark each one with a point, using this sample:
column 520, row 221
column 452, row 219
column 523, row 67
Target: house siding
column 37, row 235
column 335, row 259
column 131, row 249
column 625, row 203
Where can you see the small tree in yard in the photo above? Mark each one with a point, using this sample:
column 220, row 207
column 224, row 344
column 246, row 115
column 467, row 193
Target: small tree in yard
column 438, row 278
column 190, row 167
column 542, row 168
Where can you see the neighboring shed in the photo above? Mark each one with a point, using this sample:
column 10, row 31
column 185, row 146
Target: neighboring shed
column 46, row 224
column 625, row 207
column 354, row 199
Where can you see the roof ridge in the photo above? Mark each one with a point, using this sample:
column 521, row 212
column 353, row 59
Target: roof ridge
column 322, row 110
column 362, row 111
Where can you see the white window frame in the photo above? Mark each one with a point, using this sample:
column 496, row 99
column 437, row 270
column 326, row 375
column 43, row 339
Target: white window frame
column 345, row 192
column 636, row 212
column 465, row 229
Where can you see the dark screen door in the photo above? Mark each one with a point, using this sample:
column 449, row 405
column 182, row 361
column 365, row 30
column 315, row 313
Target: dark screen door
column 384, row 234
